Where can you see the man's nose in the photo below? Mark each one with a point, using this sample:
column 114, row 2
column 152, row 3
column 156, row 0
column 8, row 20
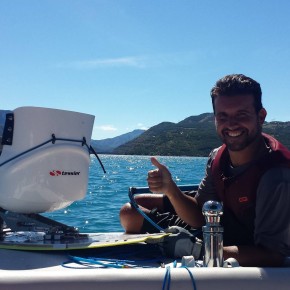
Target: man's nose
column 232, row 121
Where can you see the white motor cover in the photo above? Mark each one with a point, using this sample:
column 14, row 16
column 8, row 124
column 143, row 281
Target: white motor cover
column 54, row 175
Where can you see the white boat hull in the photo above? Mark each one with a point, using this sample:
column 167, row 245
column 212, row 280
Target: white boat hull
column 35, row 270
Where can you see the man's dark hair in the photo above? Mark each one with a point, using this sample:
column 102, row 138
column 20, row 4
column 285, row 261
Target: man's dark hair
column 237, row 84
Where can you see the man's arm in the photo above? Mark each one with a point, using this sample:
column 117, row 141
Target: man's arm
column 254, row 256
column 186, row 207
column 272, row 223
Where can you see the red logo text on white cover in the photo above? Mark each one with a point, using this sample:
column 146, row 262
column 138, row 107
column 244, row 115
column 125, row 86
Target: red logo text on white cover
column 60, row 172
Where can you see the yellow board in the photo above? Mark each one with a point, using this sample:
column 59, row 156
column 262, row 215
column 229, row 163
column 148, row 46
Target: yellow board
column 34, row 241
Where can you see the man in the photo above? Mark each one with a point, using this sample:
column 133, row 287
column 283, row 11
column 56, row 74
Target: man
column 249, row 173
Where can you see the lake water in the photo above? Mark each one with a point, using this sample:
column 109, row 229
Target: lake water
column 99, row 210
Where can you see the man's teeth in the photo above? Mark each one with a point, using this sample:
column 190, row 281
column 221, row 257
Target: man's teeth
column 234, row 134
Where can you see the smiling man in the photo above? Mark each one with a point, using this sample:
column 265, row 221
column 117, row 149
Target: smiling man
column 249, row 174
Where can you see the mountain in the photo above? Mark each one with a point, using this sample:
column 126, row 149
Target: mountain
column 109, row 144
column 194, row 136
column 279, row 130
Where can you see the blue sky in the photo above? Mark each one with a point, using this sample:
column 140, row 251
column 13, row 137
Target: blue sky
column 136, row 63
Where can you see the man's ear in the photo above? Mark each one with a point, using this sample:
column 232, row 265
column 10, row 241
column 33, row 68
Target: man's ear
column 262, row 116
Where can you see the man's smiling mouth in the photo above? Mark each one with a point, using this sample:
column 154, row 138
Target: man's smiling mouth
column 233, row 133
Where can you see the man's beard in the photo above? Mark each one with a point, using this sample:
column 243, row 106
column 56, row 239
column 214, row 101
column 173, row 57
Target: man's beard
column 241, row 142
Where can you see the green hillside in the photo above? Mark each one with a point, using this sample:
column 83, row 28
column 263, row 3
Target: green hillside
column 194, row 136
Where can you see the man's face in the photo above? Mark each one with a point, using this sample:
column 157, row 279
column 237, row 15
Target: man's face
column 237, row 123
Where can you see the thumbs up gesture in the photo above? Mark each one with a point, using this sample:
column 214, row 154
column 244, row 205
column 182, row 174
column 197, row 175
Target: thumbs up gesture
column 159, row 180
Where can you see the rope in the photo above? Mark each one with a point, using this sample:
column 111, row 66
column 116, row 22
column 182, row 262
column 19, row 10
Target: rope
column 53, row 140
column 192, row 278
column 136, row 206
column 97, row 263
column 167, row 277
column 93, row 262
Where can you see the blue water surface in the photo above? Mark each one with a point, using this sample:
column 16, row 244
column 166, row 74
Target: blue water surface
column 99, row 210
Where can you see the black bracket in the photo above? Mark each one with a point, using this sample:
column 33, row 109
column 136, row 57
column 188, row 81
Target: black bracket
column 7, row 137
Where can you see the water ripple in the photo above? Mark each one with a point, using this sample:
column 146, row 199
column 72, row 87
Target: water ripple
column 99, row 210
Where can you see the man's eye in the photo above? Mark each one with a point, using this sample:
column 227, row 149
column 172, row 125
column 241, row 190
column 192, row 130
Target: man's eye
column 221, row 118
column 242, row 117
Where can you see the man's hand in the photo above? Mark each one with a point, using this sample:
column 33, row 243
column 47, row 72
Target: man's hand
column 186, row 207
column 159, row 180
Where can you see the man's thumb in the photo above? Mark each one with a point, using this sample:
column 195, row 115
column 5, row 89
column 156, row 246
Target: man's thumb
column 156, row 163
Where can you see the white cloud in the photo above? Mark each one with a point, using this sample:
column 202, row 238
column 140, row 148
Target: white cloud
column 129, row 61
column 104, row 131
column 142, row 126
column 106, row 128
column 144, row 61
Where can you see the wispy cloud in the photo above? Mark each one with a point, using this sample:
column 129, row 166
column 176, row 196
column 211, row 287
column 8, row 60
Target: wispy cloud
column 144, row 61
column 106, row 128
column 131, row 61
column 142, row 126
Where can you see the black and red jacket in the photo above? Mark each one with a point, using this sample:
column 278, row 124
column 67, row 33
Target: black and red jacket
column 238, row 193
